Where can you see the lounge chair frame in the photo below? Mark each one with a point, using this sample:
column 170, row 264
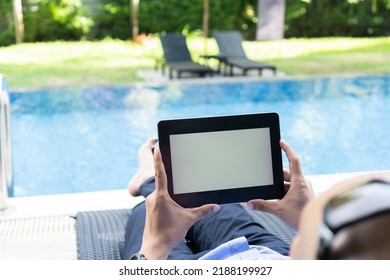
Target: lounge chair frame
column 233, row 53
column 178, row 58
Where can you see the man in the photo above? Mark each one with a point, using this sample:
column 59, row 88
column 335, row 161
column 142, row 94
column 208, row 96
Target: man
column 161, row 229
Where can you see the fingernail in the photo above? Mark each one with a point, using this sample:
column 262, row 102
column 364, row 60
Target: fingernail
column 250, row 206
column 216, row 208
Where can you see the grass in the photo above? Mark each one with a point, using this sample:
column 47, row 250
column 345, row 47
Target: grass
column 114, row 61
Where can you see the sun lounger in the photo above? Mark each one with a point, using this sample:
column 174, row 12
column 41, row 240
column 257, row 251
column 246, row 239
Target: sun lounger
column 178, row 58
column 233, row 54
column 100, row 235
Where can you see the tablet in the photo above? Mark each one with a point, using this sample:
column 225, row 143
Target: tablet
column 224, row 159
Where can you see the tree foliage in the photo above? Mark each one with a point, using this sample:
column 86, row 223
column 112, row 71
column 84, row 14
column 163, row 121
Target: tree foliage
column 48, row 20
column 7, row 30
column 174, row 15
column 111, row 19
column 319, row 18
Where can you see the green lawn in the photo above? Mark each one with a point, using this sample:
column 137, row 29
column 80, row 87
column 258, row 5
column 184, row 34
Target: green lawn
column 114, row 61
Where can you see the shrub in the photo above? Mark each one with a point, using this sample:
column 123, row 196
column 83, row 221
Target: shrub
column 322, row 18
column 111, row 19
column 7, row 28
column 50, row 20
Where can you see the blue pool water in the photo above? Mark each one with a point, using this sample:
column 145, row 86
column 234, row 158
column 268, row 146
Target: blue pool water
column 76, row 140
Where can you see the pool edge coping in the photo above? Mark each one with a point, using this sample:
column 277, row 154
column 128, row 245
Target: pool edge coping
column 71, row 203
column 208, row 80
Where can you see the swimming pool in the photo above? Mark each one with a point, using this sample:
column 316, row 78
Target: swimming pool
column 86, row 139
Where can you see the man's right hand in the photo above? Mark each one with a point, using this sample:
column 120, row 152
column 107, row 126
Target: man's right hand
column 297, row 188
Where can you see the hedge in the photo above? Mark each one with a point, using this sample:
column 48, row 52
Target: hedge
column 49, row 20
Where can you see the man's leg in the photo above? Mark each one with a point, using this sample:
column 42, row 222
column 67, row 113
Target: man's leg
column 145, row 168
column 136, row 223
column 230, row 222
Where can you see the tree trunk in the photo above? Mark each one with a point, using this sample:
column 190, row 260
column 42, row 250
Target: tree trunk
column 18, row 20
column 206, row 7
column 271, row 19
column 134, row 18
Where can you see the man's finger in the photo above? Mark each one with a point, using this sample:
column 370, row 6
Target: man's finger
column 295, row 166
column 286, row 175
column 161, row 177
column 263, row 205
column 286, row 186
column 204, row 210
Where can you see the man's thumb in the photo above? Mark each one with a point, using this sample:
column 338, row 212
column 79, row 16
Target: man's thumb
column 205, row 209
column 263, row 205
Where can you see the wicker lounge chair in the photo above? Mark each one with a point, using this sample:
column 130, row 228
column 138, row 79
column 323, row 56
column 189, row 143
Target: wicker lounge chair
column 233, row 54
column 100, row 235
column 177, row 57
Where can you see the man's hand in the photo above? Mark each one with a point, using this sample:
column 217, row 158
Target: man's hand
column 298, row 192
column 166, row 222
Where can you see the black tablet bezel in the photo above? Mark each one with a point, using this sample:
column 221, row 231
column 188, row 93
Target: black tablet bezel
column 224, row 123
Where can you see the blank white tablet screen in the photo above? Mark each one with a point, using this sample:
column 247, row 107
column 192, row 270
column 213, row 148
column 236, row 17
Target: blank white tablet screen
column 221, row 160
